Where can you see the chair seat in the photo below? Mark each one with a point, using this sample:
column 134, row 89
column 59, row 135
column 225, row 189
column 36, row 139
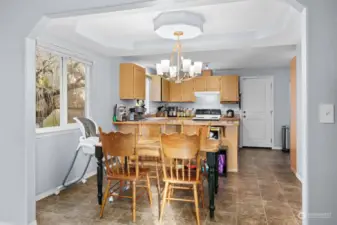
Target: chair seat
column 131, row 177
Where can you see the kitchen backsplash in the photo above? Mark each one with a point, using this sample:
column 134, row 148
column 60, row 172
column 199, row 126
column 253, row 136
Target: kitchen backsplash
column 195, row 105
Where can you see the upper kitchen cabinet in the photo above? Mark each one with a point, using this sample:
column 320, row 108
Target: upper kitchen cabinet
column 131, row 81
column 229, row 88
column 160, row 90
column 188, row 91
column 200, row 83
column 213, row 83
column 165, row 90
column 156, row 89
column 207, row 73
column 175, row 92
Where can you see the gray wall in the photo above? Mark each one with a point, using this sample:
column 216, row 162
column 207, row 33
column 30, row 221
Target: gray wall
column 321, row 180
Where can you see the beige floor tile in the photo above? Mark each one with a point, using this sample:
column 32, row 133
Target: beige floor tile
column 264, row 189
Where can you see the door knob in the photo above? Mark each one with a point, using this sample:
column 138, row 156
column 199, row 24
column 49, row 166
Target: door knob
column 244, row 116
column 244, row 111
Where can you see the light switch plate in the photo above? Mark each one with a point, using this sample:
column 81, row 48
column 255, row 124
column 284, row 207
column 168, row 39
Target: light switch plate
column 326, row 113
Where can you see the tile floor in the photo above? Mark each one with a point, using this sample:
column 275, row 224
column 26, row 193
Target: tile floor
column 264, row 192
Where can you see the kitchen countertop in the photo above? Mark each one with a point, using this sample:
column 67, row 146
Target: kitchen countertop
column 224, row 121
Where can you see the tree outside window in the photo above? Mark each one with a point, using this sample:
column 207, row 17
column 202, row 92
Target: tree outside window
column 60, row 92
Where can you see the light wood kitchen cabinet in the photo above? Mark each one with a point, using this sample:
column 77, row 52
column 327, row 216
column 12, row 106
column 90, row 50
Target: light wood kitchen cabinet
column 156, row 89
column 229, row 88
column 160, row 89
column 165, row 90
column 175, row 92
column 213, row 83
column 200, row 83
column 188, row 91
column 131, row 81
column 207, row 73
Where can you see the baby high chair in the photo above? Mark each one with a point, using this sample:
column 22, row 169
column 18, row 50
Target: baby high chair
column 87, row 142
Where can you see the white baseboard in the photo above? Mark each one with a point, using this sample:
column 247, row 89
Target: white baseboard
column 33, row 222
column 299, row 177
column 60, row 188
column 277, row 148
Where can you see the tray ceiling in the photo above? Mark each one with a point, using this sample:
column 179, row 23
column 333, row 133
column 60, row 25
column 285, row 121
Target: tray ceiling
column 231, row 25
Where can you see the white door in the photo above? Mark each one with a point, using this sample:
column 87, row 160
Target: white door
column 256, row 100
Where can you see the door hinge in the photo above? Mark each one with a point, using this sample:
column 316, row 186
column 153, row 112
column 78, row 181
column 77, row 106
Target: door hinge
column 271, row 140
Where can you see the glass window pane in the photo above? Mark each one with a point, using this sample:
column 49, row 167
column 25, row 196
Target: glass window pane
column 48, row 74
column 76, row 89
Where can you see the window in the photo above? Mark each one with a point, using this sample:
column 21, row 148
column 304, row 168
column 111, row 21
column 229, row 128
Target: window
column 60, row 89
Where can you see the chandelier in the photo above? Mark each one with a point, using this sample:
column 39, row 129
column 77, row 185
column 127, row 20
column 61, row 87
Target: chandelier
column 177, row 26
column 177, row 68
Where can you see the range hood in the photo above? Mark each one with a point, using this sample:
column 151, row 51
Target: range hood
column 206, row 93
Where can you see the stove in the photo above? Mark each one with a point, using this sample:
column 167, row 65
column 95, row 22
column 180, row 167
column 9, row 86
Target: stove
column 207, row 114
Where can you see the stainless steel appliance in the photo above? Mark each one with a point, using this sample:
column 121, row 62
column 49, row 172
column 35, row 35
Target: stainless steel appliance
column 207, row 114
column 140, row 112
column 132, row 114
column 121, row 113
column 230, row 113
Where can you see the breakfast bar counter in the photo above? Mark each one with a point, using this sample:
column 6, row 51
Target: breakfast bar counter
column 229, row 137
column 224, row 121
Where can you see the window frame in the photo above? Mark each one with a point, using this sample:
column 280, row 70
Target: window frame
column 64, row 55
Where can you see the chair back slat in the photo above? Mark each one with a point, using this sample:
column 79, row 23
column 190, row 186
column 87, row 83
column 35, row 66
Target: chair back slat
column 176, row 149
column 119, row 149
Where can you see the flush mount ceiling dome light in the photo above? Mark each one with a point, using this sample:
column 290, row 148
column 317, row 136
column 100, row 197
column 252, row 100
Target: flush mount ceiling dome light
column 191, row 24
column 178, row 26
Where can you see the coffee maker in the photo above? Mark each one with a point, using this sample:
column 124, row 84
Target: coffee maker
column 120, row 112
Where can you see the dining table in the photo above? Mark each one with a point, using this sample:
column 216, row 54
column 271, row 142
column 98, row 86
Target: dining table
column 209, row 148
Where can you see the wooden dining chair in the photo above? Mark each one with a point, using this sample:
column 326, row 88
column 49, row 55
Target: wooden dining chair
column 122, row 148
column 200, row 131
column 178, row 152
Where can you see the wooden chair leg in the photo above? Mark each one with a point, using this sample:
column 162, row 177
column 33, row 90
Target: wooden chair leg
column 163, row 202
column 134, row 201
column 121, row 186
column 158, row 179
column 106, row 194
column 195, row 190
column 172, row 192
column 202, row 195
column 169, row 194
column 149, row 188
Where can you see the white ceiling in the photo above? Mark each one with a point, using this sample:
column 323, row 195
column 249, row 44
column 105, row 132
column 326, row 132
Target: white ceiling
column 235, row 33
